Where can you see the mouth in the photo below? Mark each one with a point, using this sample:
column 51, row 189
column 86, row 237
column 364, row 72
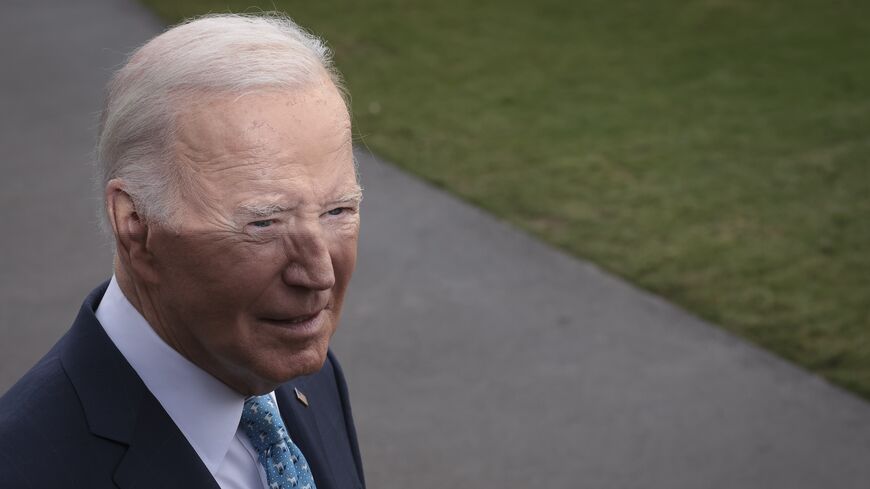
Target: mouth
column 301, row 323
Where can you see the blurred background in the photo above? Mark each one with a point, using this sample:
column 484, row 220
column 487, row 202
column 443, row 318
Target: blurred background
column 605, row 244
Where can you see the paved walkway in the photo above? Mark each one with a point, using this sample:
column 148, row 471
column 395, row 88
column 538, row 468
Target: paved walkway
column 477, row 356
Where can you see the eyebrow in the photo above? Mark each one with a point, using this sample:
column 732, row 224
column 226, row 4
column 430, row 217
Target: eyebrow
column 262, row 209
column 355, row 196
column 266, row 209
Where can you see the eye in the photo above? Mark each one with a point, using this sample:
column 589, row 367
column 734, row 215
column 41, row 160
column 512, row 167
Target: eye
column 337, row 211
column 263, row 223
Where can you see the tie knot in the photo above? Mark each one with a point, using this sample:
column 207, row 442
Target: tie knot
column 262, row 423
column 285, row 466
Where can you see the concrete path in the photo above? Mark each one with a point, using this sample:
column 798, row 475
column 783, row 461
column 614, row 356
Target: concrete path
column 477, row 356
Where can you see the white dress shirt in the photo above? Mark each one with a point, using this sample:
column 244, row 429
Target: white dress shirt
column 205, row 410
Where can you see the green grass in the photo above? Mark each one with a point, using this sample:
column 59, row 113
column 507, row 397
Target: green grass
column 715, row 152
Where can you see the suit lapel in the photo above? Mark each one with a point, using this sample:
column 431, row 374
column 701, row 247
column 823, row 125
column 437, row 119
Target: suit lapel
column 301, row 423
column 118, row 407
column 159, row 455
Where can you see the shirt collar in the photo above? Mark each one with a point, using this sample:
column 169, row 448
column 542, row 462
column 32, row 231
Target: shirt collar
column 205, row 409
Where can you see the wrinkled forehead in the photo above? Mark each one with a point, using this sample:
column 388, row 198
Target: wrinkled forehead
column 267, row 140
column 209, row 125
column 320, row 104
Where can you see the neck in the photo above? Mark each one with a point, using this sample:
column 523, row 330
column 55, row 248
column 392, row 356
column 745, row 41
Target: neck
column 143, row 300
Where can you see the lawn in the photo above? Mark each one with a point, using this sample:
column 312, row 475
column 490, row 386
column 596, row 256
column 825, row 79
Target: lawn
column 715, row 152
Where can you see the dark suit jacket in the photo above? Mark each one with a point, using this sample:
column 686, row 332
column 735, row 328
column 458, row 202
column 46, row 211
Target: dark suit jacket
column 82, row 418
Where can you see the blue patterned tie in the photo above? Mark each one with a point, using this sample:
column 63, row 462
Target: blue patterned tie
column 285, row 466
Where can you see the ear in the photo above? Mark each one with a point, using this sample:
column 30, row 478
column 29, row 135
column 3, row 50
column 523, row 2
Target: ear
column 131, row 232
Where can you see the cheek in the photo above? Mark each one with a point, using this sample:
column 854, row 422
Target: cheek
column 343, row 254
column 215, row 286
column 237, row 263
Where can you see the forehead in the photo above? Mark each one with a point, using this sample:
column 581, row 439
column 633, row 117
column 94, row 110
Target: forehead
column 287, row 120
column 267, row 141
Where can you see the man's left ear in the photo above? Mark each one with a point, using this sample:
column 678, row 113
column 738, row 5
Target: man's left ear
column 131, row 232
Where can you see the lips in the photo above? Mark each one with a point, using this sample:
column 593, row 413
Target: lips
column 297, row 319
column 301, row 321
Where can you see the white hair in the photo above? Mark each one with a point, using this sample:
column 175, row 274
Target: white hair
column 230, row 53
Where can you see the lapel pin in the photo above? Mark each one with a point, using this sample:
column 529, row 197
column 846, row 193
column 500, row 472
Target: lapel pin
column 301, row 397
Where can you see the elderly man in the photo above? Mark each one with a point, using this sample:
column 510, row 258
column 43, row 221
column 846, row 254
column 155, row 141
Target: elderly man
column 231, row 193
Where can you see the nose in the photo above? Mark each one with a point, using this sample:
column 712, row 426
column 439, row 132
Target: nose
column 309, row 263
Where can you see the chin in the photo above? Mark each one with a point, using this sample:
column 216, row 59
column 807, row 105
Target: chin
column 260, row 373
column 297, row 364
column 310, row 364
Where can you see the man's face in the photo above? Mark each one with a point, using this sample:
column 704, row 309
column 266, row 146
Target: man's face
column 251, row 283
